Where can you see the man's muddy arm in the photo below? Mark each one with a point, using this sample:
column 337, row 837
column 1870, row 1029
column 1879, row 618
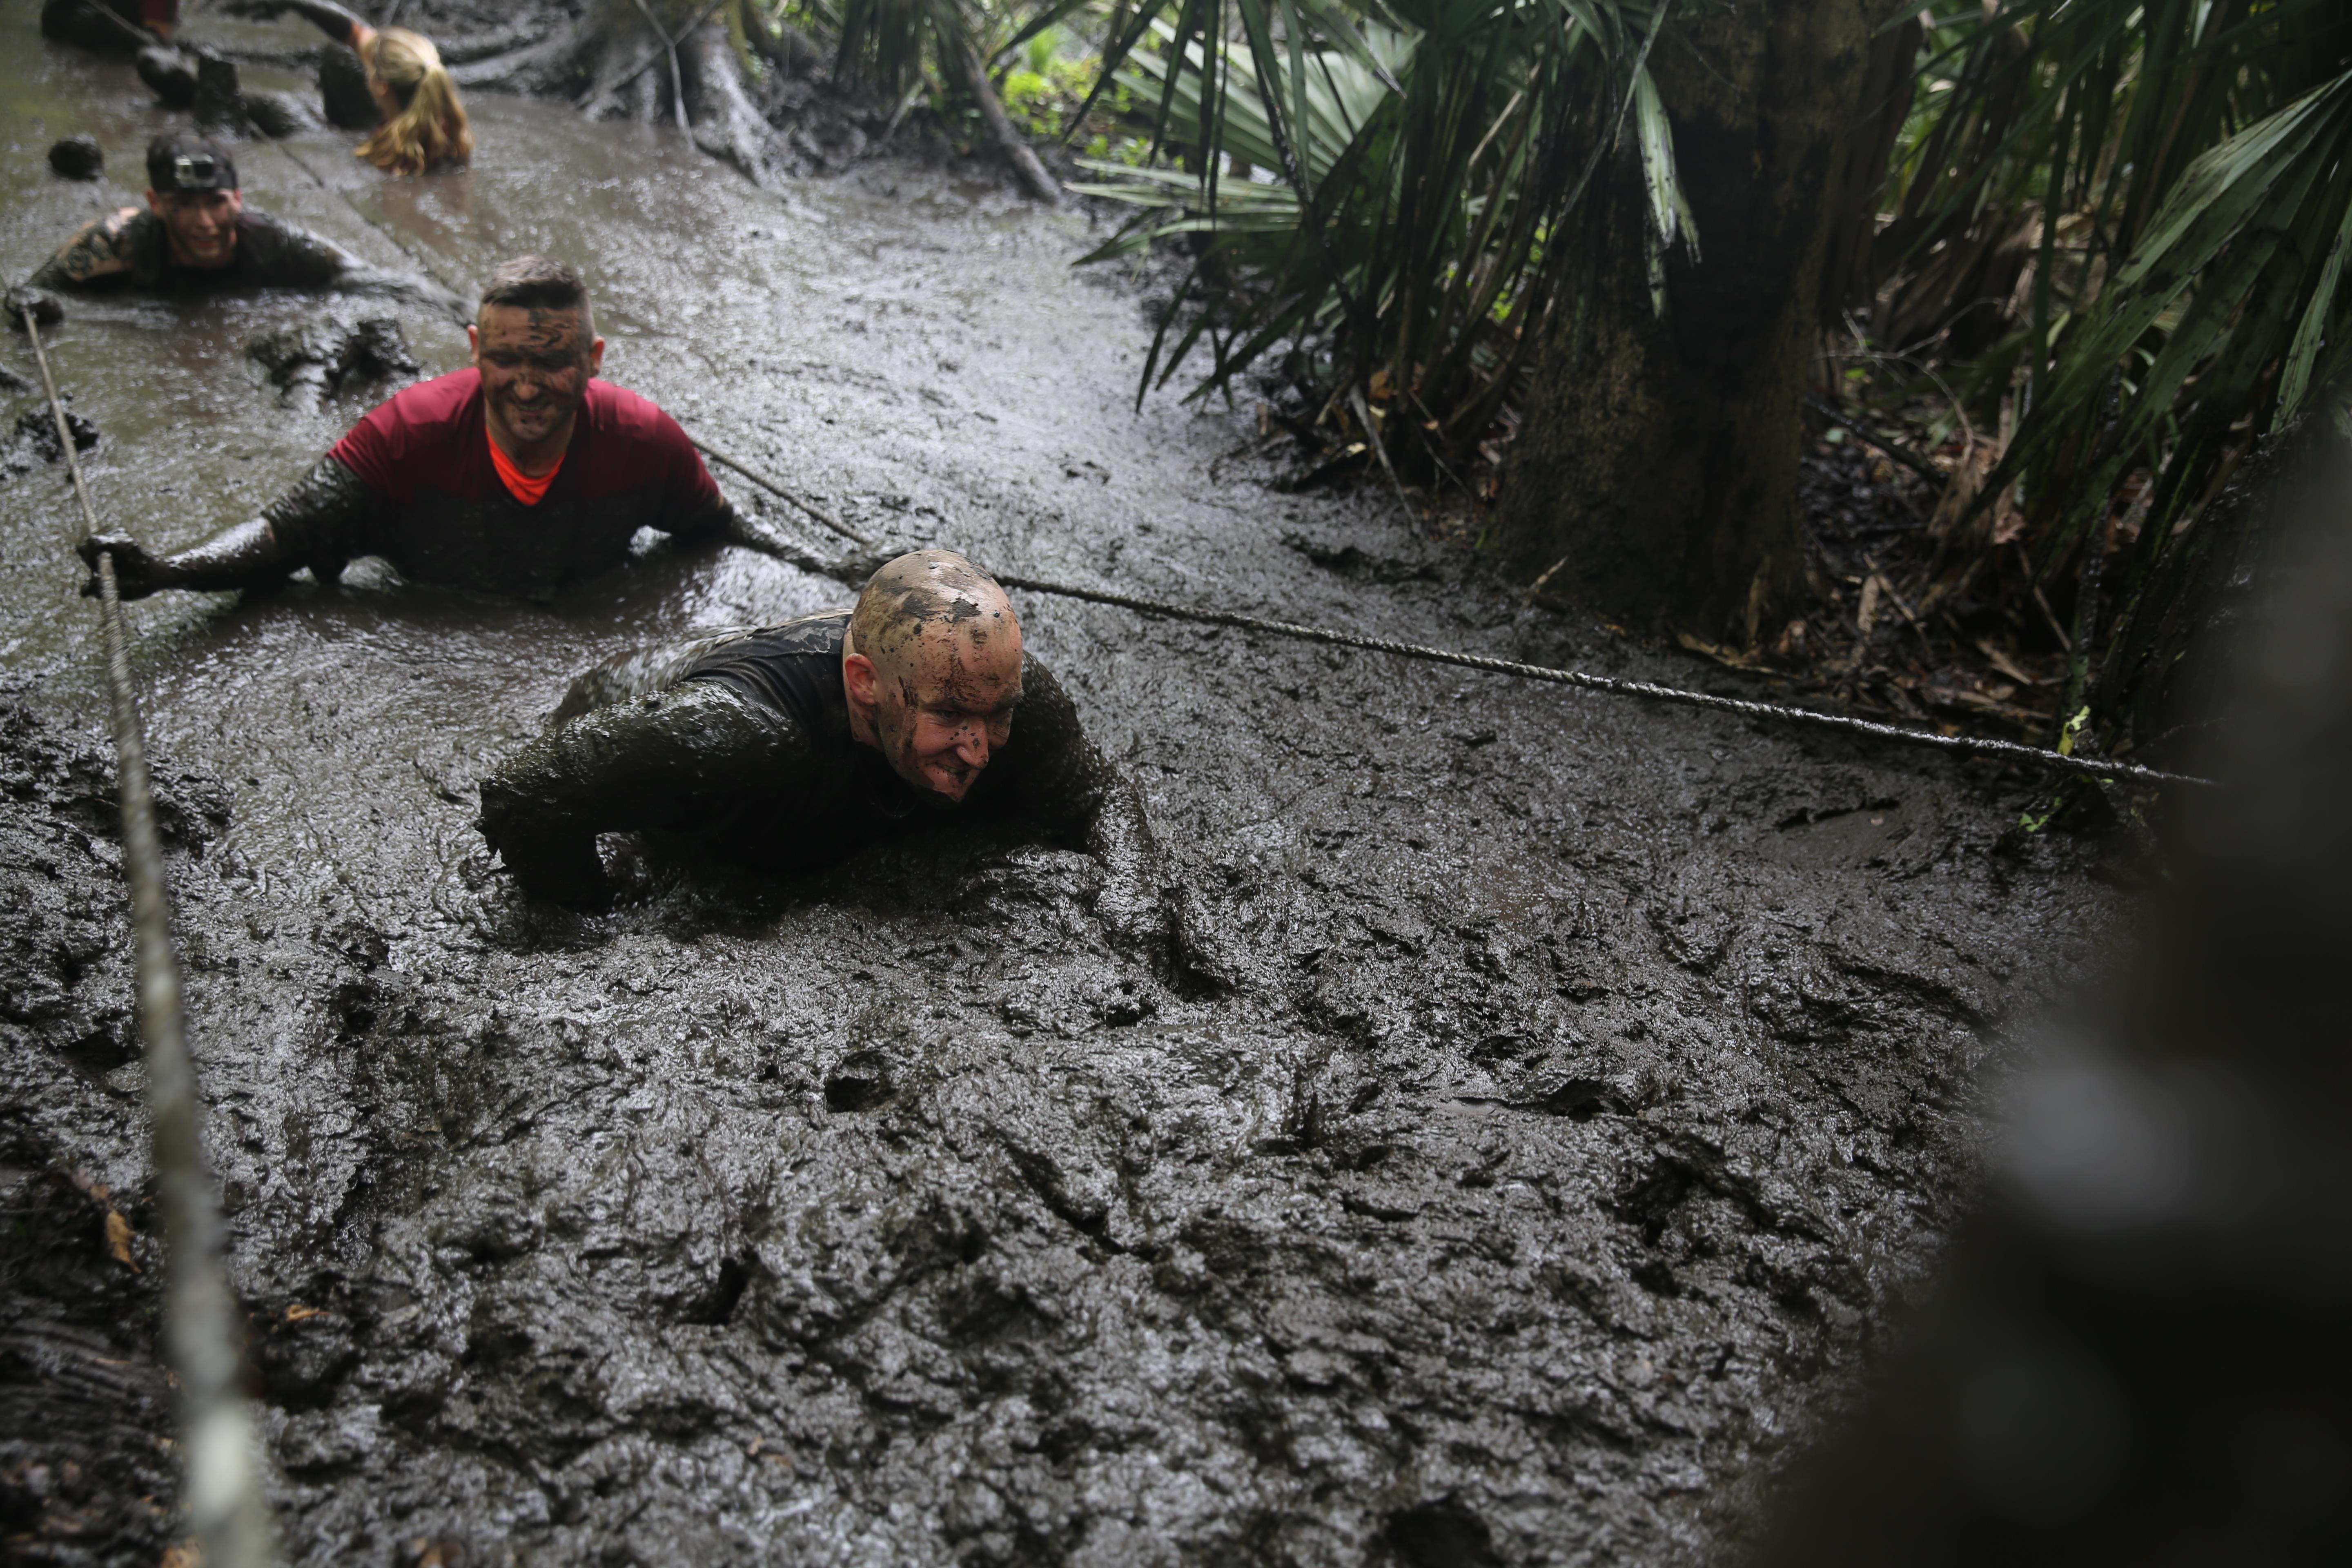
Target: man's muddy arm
column 332, row 20
column 1133, row 902
column 855, row 568
column 677, row 759
column 102, row 247
column 363, row 277
column 320, row 524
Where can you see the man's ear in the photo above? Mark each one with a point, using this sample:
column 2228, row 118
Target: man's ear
column 858, row 679
column 595, row 356
column 474, row 343
column 154, row 202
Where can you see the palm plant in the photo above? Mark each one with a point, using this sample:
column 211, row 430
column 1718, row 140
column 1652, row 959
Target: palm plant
column 1421, row 160
column 2181, row 165
column 2183, row 162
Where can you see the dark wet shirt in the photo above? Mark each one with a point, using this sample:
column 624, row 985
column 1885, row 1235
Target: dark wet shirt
column 1045, row 770
column 413, row 483
column 269, row 254
column 792, row 668
column 742, row 745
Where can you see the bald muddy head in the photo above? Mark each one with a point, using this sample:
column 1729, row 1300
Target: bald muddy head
column 535, row 343
column 932, row 670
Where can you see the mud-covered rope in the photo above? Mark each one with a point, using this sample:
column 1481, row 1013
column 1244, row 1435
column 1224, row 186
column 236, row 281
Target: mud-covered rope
column 2009, row 750
column 773, row 489
column 220, row 1486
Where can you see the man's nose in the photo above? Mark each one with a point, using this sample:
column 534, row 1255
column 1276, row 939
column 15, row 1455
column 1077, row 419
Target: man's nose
column 972, row 746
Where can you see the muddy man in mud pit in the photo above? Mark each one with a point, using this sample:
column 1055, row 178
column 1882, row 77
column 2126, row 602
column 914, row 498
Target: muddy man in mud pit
column 519, row 475
column 197, row 236
column 792, row 744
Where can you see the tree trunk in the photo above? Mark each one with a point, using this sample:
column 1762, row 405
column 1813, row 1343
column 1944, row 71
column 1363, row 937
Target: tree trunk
column 727, row 124
column 1016, row 148
column 1659, row 459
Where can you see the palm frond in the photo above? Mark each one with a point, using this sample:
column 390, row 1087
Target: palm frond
column 1425, row 153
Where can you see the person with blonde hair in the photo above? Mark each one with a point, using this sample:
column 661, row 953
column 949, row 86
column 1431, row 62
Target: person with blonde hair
column 424, row 125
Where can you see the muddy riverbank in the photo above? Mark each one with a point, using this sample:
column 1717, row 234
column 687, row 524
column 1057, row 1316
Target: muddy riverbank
column 1560, row 1092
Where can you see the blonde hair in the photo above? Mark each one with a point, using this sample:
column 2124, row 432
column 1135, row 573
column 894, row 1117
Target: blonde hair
column 431, row 127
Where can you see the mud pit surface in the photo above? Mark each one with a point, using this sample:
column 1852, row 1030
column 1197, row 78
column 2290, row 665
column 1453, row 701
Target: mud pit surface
column 1561, row 1090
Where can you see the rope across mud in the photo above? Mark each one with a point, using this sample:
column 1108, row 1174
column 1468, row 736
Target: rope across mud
column 1972, row 745
column 1645, row 691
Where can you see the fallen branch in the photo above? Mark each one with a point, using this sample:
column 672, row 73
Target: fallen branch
column 1025, row 163
column 677, row 76
column 596, row 94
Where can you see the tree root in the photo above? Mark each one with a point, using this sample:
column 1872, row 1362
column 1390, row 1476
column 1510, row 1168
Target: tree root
column 726, row 123
column 1025, row 160
column 791, row 123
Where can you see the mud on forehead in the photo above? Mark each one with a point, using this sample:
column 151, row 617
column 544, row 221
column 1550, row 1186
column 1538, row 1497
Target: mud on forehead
column 924, row 593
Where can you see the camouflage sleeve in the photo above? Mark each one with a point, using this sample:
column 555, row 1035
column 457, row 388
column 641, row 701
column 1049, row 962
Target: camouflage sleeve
column 102, row 247
column 674, row 759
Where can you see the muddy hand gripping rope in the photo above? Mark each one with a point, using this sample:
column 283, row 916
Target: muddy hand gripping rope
column 220, row 1489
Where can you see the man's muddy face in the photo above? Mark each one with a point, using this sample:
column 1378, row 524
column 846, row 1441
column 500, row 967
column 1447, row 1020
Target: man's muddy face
column 535, row 366
column 201, row 226
column 941, row 719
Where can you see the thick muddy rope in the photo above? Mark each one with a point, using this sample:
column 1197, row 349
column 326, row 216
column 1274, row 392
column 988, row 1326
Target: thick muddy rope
column 220, row 1488
column 773, row 489
column 2008, row 750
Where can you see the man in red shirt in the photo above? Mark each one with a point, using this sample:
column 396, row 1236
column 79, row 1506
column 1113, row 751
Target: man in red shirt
column 519, row 476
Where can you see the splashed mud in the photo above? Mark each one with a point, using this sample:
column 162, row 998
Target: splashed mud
column 1558, row 1093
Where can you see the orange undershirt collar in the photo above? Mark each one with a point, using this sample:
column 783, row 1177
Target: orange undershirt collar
column 522, row 486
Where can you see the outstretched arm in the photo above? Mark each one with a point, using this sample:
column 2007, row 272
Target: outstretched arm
column 672, row 760
column 320, row 524
column 331, row 20
column 1133, row 902
column 102, row 246
column 292, row 257
column 855, row 568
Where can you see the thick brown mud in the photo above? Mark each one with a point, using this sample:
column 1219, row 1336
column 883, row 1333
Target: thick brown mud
column 1557, row 1094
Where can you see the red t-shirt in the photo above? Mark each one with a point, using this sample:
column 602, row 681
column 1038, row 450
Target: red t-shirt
column 431, row 438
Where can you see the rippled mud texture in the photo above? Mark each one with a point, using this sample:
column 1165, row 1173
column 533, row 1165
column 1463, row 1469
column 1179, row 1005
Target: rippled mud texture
column 1558, row 1093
